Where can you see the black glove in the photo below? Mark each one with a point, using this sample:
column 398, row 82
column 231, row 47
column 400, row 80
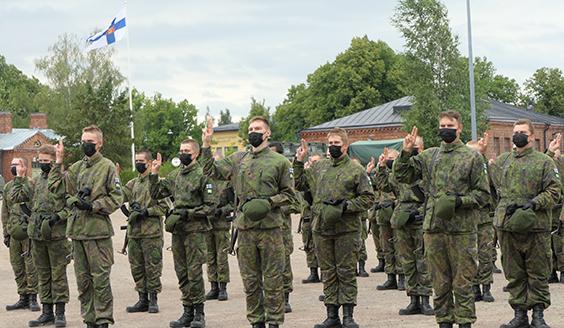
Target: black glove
column 182, row 212
column 308, row 197
column 334, row 202
column 511, row 208
column 7, row 240
column 530, row 204
column 457, row 199
column 413, row 216
column 84, row 205
column 559, row 229
column 218, row 212
column 376, row 206
column 54, row 219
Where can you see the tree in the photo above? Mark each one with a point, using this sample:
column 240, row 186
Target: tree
column 496, row 86
column 545, row 90
column 258, row 108
column 435, row 73
column 225, row 117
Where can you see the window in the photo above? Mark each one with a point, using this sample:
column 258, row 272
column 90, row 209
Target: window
column 507, row 145
column 537, row 144
column 497, row 146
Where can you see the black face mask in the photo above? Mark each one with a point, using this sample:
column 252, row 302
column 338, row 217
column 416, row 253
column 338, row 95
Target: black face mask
column 415, row 152
column 520, row 140
column 141, row 167
column 255, row 139
column 335, row 151
column 389, row 163
column 185, row 159
column 448, row 135
column 89, row 148
column 14, row 171
column 45, row 167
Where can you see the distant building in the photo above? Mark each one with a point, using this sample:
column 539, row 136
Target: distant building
column 226, row 139
column 23, row 142
column 384, row 122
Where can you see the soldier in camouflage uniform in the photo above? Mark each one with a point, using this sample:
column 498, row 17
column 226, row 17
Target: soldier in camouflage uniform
column 528, row 182
column 375, row 231
column 263, row 183
column 93, row 193
column 14, row 225
column 558, row 236
column 363, row 235
column 341, row 190
column 193, row 203
column 145, row 235
column 50, row 247
column 456, row 179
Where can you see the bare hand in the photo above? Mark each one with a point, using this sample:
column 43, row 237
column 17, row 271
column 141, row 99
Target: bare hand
column 20, row 169
column 156, row 166
column 370, row 165
column 60, row 151
column 555, row 143
column 207, row 133
column 409, row 140
column 483, row 143
column 118, row 168
column 301, row 152
column 383, row 158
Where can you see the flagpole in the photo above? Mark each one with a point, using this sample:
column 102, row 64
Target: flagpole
column 471, row 76
column 130, row 94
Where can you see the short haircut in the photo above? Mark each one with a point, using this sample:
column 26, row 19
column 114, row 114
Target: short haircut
column 451, row 114
column 317, row 154
column 277, row 146
column 48, row 150
column 525, row 121
column 146, row 153
column 260, row 118
column 192, row 142
column 341, row 133
column 94, row 129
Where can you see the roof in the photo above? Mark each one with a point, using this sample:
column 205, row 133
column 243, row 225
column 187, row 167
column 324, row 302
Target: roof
column 227, row 127
column 389, row 115
column 9, row 141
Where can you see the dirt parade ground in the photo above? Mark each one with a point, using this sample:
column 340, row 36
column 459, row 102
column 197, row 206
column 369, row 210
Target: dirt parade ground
column 375, row 308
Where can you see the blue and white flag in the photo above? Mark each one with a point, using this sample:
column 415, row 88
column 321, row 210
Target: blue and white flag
column 115, row 32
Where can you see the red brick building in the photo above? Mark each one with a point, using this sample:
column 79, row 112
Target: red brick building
column 15, row 142
column 384, row 122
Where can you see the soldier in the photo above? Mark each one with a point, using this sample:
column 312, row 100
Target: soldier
column 94, row 192
column 193, row 203
column 407, row 222
column 457, row 183
column 557, row 236
column 14, row 225
column 341, row 190
column 50, row 247
column 529, row 187
column 363, row 235
column 263, row 182
column 145, row 235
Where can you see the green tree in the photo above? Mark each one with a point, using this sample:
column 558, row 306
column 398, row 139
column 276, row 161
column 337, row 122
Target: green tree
column 545, row 90
column 258, row 108
column 225, row 117
column 496, row 86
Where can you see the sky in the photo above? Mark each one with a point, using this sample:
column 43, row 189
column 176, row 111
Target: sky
column 219, row 54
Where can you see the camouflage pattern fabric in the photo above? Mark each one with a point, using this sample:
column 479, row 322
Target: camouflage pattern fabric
column 486, row 250
column 189, row 253
column 412, row 258
column 146, row 262
column 217, row 258
column 23, row 266
column 51, row 260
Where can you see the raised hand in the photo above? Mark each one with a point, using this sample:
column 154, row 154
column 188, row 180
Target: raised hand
column 20, row 169
column 483, row 143
column 156, row 165
column 555, row 143
column 207, row 133
column 118, row 168
column 383, row 157
column 370, row 165
column 301, row 152
column 60, row 151
column 409, row 140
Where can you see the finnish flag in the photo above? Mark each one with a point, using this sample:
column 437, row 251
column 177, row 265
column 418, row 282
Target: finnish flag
column 116, row 30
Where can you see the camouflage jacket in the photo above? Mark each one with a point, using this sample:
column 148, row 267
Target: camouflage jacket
column 339, row 179
column 191, row 190
column 44, row 203
column 529, row 176
column 264, row 174
column 221, row 202
column 98, row 174
column 456, row 169
column 12, row 213
column 139, row 190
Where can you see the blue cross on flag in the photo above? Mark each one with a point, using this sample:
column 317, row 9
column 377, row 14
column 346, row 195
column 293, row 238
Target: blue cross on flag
column 115, row 32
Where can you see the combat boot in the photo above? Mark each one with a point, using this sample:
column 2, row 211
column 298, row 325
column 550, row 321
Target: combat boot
column 538, row 317
column 401, row 282
column 273, row 325
column 213, row 294
column 60, row 320
column 153, row 303
column 379, row 267
column 199, row 316
column 222, row 295
column 412, row 308
column 348, row 320
column 313, row 277
column 487, row 294
column 142, row 304
column 332, row 320
column 287, row 306
column 22, row 303
column 495, row 269
column 553, row 277
column 185, row 319
column 322, row 298
column 91, row 325
column 33, row 306
column 258, row 325
column 445, row 325
column 46, row 318
column 477, row 293
column 561, row 277
column 391, row 283
column 426, row 307
column 465, row 325
column 361, row 271
column 521, row 320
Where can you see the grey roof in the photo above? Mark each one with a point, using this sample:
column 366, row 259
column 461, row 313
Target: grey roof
column 389, row 114
column 9, row 141
column 227, row 127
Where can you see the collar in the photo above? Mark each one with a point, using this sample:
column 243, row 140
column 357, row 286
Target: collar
column 261, row 151
column 90, row 161
column 523, row 153
column 340, row 161
column 187, row 169
column 448, row 147
column 142, row 178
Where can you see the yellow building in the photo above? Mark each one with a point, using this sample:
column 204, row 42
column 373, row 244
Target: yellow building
column 226, row 139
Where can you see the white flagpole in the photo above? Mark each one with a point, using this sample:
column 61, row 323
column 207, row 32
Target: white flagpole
column 129, row 91
column 471, row 76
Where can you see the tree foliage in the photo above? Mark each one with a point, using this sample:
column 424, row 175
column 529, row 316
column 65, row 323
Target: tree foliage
column 225, row 117
column 258, row 108
column 545, row 91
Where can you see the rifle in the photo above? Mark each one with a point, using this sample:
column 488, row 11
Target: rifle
column 126, row 212
column 231, row 250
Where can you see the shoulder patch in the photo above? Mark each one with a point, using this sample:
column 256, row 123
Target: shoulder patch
column 291, row 172
column 209, row 188
column 556, row 172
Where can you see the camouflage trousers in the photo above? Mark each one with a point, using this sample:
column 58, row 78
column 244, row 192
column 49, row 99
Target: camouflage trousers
column 51, row 259
column 558, row 251
column 287, row 276
column 389, row 249
column 412, row 259
column 375, row 230
column 526, row 265
column 260, row 254
column 189, row 252
column 93, row 260
column 23, row 266
column 146, row 261
column 362, row 254
column 218, row 263
column 309, row 248
column 486, row 248
column 338, row 256
column 452, row 262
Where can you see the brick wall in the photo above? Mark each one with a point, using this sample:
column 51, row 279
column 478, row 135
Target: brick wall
column 5, row 122
column 27, row 150
column 38, row 121
column 358, row 134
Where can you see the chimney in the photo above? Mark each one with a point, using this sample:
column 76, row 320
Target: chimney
column 38, row 121
column 5, row 122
